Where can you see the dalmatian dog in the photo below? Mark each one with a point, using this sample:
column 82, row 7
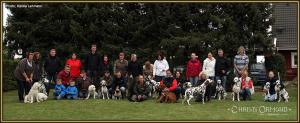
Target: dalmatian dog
column 192, row 91
column 42, row 88
column 236, row 89
column 267, row 89
column 282, row 93
column 220, row 90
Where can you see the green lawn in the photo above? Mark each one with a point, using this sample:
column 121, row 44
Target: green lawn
column 148, row 110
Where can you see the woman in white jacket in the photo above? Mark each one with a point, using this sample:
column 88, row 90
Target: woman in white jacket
column 160, row 67
column 209, row 68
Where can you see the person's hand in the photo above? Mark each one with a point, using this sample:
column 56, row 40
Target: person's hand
column 139, row 97
column 131, row 76
column 223, row 71
column 27, row 79
column 166, row 89
column 240, row 72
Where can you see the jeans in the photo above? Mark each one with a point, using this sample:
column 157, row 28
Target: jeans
column 23, row 87
column 158, row 78
column 271, row 98
column 223, row 79
column 75, row 97
column 246, row 93
column 194, row 80
column 50, row 77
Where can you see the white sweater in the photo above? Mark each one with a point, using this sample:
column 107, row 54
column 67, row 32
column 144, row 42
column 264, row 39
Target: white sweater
column 159, row 66
column 209, row 66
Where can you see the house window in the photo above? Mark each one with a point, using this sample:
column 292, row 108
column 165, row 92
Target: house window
column 294, row 59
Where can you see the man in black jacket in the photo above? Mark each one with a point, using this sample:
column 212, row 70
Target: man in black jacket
column 221, row 68
column 52, row 66
column 92, row 64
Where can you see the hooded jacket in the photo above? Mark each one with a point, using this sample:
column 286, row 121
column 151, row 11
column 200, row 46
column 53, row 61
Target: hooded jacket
column 193, row 68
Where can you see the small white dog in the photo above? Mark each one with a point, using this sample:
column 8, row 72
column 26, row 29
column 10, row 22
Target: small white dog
column 42, row 97
column 92, row 91
column 220, row 90
column 32, row 95
column 267, row 89
column 236, row 89
column 104, row 90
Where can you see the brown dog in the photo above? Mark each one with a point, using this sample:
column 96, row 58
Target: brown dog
column 166, row 96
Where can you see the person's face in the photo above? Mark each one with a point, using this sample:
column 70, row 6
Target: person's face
column 271, row 74
column 141, row 79
column 59, row 82
column 242, row 50
column 159, row 58
column 107, row 74
column 121, row 56
column 30, row 56
column 105, row 59
column 67, row 69
column 118, row 75
column 177, row 74
column 37, row 56
column 220, row 53
column 193, row 56
column 52, row 53
column 94, row 49
column 72, row 83
column 74, row 56
column 169, row 74
column 134, row 58
column 209, row 55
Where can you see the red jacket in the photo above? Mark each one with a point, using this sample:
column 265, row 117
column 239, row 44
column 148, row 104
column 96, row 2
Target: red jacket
column 75, row 67
column 193, row 68
column 65, row 78
column 250, row 83
column 173, row 86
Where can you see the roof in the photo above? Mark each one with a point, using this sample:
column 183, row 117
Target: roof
column 285, row 25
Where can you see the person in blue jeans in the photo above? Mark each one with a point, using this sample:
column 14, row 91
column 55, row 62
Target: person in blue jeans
column 59, row 90
column 72, row 92
column 221, row 68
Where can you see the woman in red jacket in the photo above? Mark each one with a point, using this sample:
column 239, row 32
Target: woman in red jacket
column 247, row 86
column 193, row 69
column 75, row 66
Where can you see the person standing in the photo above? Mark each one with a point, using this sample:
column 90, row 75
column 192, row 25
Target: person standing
column 24, row 75
column 193, row 69
column 75, row 66
column 134, row 68
column 209, row 68
column 241, row 62
column 221, row 68
column 37, row 73
column 52, row 66
column 92, row 63
column 121, row 65
column 105, row 65
column 160, row 67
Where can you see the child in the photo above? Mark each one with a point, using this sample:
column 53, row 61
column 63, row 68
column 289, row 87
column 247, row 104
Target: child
column 83, row 84
column 72, row 91
column 60, row 90
column 247, row 86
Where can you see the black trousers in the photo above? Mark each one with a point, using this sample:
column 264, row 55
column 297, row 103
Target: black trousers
column 93, row 75
column 50, row 77
column 23, row 87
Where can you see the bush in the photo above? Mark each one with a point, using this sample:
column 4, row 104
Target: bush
column 9, row 82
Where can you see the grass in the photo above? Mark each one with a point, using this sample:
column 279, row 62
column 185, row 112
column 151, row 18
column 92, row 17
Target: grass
column 148, row 110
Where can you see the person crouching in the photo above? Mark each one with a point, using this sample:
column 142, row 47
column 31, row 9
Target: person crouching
column 140, row 90
column 59, row 90
column 171, row 84
column 72, row 91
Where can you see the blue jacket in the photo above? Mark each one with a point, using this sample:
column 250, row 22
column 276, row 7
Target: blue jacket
column 72, row 90
column 60, row 89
